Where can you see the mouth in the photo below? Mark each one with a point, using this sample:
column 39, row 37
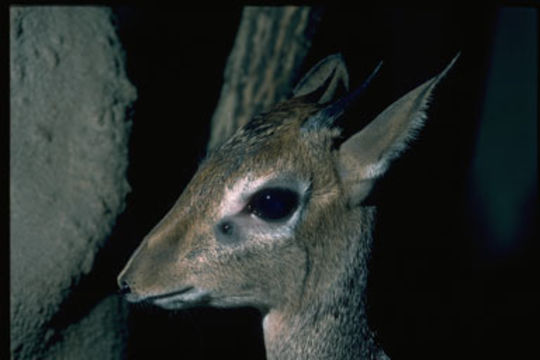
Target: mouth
column 180, row 299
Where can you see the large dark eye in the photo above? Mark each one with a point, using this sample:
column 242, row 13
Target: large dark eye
column 273, row 204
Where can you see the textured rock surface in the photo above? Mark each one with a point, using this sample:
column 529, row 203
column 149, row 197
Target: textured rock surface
column 69, row 135
column 99, row 335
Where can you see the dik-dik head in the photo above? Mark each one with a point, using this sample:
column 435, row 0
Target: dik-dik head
column 268, row 206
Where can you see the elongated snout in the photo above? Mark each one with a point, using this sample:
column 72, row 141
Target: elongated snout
column 154, row 268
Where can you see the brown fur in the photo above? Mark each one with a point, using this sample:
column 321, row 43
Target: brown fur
column 307, row 277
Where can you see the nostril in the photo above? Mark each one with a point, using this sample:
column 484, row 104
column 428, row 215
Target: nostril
column 124, row 287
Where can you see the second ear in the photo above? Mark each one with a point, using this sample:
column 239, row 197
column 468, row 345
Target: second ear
column 326, row 81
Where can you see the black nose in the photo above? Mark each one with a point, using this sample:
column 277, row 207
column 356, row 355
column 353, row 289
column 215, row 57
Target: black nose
column 124, row 287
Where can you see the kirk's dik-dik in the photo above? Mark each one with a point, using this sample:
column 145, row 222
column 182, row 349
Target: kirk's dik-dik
column 274, row 219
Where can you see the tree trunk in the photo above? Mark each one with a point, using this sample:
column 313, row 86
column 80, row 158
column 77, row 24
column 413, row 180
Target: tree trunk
column 263, row 66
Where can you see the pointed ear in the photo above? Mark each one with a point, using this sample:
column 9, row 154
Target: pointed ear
column 327, row 80
column 365, row 156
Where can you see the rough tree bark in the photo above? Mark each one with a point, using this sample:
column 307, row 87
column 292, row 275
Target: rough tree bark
column 264, row 64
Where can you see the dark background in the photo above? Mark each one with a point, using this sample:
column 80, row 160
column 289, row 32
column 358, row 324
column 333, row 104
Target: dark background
column 445, row 281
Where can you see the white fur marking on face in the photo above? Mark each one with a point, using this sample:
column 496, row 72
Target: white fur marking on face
column 236, row 197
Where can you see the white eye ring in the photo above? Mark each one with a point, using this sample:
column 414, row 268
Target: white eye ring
column 237, row 197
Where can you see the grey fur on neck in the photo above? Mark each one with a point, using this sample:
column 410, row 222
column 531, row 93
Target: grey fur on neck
column 333, row 325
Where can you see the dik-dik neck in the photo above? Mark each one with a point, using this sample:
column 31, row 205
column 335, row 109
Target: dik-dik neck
column 333, row 323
